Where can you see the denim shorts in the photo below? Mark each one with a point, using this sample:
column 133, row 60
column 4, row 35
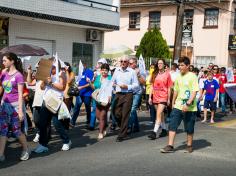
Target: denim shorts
column 188, row 118
column 210, row 105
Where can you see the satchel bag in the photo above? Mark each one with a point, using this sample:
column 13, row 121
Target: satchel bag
column 95, row 96
column 52, row 101
column 73, row 90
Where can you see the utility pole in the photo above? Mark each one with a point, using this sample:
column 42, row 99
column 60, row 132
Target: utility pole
column 179, row 29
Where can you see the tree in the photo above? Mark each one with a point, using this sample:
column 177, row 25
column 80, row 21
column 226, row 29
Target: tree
column 153, row 45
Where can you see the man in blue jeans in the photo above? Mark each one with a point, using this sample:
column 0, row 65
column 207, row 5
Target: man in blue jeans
column 84, row 96
column 133, row 125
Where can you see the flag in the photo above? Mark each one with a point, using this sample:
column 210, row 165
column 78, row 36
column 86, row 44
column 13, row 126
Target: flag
column 63, row 65
column 56, row 64
column 231, row 89
column 141, row 65
column 80, row 73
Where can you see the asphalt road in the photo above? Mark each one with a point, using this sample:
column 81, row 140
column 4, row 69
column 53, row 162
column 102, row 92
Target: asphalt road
column 214, row 154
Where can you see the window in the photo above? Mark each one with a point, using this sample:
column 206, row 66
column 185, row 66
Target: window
column 134, row 20
column 154, row 20
column 83, row 52
column 202, row 61
column 211, row 17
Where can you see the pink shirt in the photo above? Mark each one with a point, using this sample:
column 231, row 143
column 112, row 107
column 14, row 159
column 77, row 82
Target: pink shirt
column 160, row 87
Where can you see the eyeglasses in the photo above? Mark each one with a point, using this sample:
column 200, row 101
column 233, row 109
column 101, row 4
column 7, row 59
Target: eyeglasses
column 123, row 61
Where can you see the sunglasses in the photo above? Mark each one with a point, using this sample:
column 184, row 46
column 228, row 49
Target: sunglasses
column 123, row 61
column 215, row 68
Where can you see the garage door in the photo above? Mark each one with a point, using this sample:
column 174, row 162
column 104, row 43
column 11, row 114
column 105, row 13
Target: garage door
column 46, row 44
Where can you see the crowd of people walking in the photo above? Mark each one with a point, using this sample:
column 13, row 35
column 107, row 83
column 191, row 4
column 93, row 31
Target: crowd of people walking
column 172, row 95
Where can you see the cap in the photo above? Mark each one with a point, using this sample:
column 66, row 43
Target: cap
column 102, row 60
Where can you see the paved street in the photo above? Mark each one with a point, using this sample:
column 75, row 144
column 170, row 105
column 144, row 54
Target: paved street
column 214, row 154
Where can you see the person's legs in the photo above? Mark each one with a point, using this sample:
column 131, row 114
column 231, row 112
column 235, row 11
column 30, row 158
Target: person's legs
column 100, row 119
column 101, row 113
column 112, row 115
column 213, row 109
column 44, row 121
column 93, row 114
column 117, row 108
column 159, row 114
column 189, row 123
column 133, row 119
column 126, row 100
column 153, row 113
column 76, row 110
column 189, row 139
column 87, row 102
column 60, row 129
column 3, row 141
column 176, row 118
column 146, row 101
column 222, row 100
column 206, row 106
column 3, row 131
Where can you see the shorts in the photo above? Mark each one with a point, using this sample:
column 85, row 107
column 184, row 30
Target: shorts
column 210, row 105
column 188, row 118
column 163, row 103
column 9, row 118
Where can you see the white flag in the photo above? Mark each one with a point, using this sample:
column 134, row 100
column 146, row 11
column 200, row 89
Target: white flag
column 141, row 65
column 80, row 73
column 56, row 62
column 231, row 89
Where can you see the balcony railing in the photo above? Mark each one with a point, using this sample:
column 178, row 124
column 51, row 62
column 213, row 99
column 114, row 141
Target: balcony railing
column 94, row 4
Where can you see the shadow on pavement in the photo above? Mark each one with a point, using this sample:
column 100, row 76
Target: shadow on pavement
column 77, row 136
column 197, row 144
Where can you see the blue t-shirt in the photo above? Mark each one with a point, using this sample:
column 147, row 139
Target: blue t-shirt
column 210, row 87
column 87, row 73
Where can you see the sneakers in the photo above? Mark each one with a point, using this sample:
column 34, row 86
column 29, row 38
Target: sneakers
column 40, row 149
column 189, row 149
column 36, row 138
column 25, row 155
column 66, row 147
column 167, row 149
column 2, row 158
column 152, row 136
column 163, row 133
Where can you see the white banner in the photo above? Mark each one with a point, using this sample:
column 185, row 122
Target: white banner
column 231, row 90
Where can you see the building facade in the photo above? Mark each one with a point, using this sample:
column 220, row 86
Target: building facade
column 74, row 29
column 208, row 27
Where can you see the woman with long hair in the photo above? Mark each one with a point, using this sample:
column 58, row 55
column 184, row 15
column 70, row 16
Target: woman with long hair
column 68, row 100
column 160, row 92
column 11, row 112
column 70, row 78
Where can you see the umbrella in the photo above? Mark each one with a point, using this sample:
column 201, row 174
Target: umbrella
column 116, row 51
column 25, row 50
